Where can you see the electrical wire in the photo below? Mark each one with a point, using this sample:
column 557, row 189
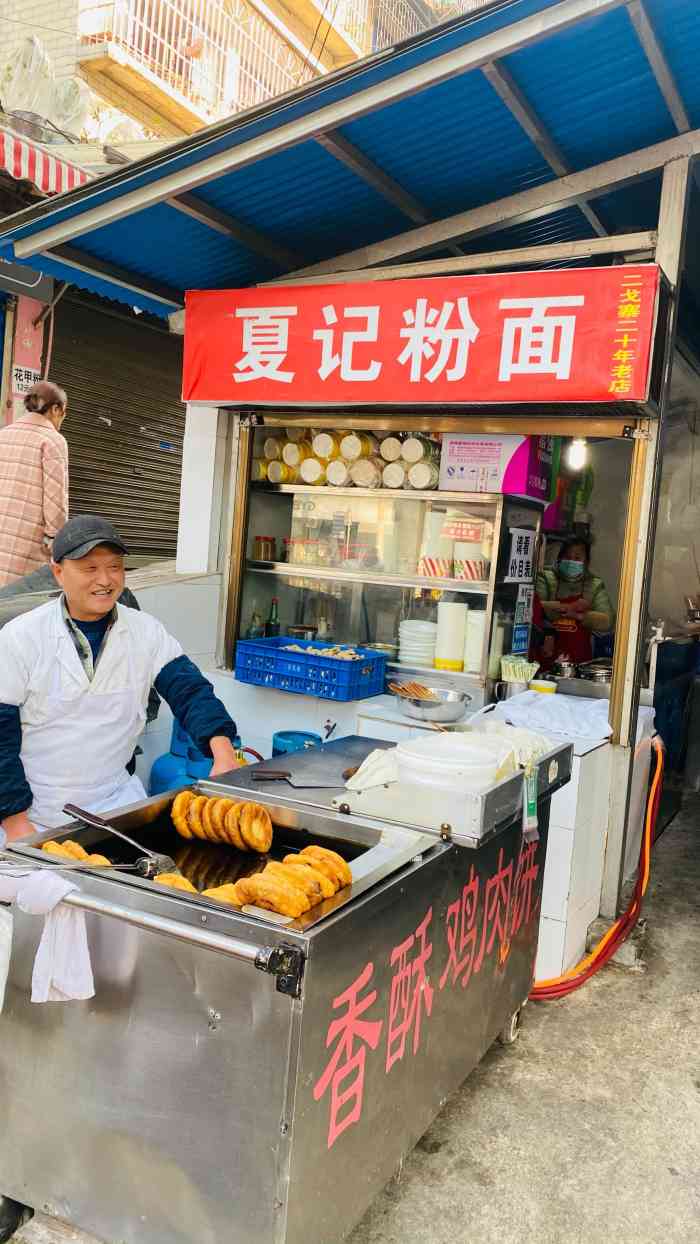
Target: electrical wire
column 52, row 30
column 560, row 986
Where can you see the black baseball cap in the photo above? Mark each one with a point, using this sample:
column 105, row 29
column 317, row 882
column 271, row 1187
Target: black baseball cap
column 83, row 533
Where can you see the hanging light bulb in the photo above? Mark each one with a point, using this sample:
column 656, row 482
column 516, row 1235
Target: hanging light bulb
column 577, row 455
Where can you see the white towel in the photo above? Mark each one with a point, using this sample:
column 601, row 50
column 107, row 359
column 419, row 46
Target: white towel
column 62, row 967
column 379, row 768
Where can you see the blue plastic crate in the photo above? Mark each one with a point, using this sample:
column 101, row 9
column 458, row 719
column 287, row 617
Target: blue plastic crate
column 265, row 663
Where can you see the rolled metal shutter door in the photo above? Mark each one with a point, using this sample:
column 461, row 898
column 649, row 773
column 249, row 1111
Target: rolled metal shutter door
column 125, row 423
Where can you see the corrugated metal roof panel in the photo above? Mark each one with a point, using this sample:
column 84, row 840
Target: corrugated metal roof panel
column 273, row 197
column 465, row 119
column 192, row 250
column 453, row 145
column 593, row 88
column 676, row 24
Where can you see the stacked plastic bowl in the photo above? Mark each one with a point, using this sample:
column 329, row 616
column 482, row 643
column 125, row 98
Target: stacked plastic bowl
column 417, row 642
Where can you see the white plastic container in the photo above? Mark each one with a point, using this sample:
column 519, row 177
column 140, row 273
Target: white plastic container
column 451, row 628
column 453, row 762
column 474, row 640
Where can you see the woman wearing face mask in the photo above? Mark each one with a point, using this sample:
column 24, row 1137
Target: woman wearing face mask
column 575, row 603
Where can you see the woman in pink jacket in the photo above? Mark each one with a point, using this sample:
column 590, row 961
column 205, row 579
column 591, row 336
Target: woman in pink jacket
column 33, row 482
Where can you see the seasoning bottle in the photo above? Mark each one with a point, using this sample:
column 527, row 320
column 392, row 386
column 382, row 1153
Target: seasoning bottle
column 256, row 629
column 272, row 626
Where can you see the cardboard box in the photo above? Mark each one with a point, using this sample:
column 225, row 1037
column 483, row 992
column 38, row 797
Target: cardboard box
column 520, row 465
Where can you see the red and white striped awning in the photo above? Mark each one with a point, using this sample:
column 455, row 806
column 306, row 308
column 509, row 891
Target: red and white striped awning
column 28, row 161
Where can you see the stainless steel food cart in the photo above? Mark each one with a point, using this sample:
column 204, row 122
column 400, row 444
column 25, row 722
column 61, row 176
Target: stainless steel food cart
column 240, row 1077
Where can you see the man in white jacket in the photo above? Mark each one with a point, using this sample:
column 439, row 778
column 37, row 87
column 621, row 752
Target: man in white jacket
column 75, row 676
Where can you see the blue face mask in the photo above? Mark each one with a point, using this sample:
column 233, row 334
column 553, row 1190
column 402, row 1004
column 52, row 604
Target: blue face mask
column 571, row 570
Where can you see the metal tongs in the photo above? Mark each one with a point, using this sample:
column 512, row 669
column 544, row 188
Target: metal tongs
column 149, row 864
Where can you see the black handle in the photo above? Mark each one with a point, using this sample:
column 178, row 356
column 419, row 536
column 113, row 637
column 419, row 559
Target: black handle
column 90, row 818
column 269, row 775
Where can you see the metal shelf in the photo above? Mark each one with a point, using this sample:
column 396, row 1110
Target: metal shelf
column 291, row 570
column 398, row 494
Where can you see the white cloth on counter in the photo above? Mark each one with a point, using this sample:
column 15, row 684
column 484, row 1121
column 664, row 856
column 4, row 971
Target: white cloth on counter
column 575, row 717
column 62, row 968
column 379, row 768
column 528, row 745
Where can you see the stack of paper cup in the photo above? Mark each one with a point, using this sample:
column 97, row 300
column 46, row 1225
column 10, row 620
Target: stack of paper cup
column 312, row 471
column 469, row 562
column 296, row 452
column 417, row 642
column 338, row 473
column 474, row 640
column 436, row 550
column 326, row 446
column 423, row 475
column 420, row 448
column 358, row 445
column 394, row 475
column 390, row 449
column 451, row 629
column 366, row 473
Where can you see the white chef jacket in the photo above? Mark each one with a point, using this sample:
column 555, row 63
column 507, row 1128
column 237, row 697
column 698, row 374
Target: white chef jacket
column 79, row 735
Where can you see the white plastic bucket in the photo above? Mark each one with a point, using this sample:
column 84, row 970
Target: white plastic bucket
column 453, row 762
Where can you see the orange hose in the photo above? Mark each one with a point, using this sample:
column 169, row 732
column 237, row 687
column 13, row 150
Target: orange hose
column 623, row 926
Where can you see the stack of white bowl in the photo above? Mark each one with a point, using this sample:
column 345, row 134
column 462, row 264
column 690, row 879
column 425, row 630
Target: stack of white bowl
column 417, row 642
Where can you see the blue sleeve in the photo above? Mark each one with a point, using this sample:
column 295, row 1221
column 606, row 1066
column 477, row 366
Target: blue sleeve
column 191, row 699
column 15, row 792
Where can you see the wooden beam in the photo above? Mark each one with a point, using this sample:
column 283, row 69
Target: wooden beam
column 519, row 106
column 526, row 205
column 194, row 207
column 620, row 244
column 659, row 65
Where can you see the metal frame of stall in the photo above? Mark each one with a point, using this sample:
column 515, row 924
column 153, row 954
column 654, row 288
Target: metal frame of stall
column 665, row 246
column 170, row 179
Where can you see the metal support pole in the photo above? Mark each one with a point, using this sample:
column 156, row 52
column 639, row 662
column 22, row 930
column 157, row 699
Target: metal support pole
column 6, row 362
column 638, row 548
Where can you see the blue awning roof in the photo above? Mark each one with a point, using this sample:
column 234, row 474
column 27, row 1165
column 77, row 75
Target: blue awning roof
column 451, row 144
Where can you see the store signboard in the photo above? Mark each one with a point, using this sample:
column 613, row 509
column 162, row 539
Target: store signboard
column 573, row 335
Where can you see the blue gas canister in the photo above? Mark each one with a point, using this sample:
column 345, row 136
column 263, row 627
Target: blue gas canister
column 285, row 741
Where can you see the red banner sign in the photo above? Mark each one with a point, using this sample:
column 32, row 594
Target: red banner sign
column 575, row 335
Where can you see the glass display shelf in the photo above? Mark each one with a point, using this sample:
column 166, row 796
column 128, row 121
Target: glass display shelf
column 468, row 587
column 398, row 494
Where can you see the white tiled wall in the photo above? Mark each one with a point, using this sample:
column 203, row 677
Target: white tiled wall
column 574, row 868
